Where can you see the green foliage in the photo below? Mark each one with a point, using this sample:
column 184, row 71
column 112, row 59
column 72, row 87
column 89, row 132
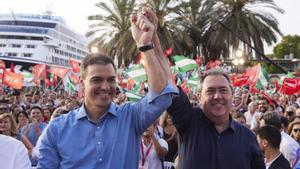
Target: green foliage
column 190, row 27
column 289, row 44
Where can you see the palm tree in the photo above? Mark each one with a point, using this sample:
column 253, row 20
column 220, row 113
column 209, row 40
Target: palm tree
column 246, row 18
column 192, row 15
column 113, row 25
column 169, row 30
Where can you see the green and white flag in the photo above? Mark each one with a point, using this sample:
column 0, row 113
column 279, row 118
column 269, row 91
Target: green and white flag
column 174, row 69
column 137, row 73
column 71, row 86
column 184, row 64
column 193, row 80
column 132, row 97
column 263, row 78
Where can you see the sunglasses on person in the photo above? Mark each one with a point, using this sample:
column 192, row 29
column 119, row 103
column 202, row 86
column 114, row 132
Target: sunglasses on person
column 290, row 113
column 296, row 130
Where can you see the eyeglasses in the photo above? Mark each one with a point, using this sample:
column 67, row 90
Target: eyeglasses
column 296, row 130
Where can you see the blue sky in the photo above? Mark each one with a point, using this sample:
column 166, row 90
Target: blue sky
column 75, row 12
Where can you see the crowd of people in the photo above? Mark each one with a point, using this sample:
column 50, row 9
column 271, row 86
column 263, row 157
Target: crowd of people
column 217, row 126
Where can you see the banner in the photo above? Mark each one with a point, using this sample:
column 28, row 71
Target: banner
column 13, row 80
column 60, row 72
column 74, row 65
column 290, row 86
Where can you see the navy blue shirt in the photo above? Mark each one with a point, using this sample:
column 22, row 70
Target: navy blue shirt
column 201, row 146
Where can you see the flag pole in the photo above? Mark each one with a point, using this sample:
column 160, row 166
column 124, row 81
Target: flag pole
column 58, row 84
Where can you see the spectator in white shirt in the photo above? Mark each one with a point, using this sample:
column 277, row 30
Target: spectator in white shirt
column 13, row 154
column 288, row 146
column 252, row 107
column 152, row 150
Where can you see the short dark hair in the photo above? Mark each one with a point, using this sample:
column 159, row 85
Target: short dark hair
column 36, row 107
column 284, row 121
column 263, row 98
column 215, row 72
column 272, row 118
column 271, row 134
column 95, row 58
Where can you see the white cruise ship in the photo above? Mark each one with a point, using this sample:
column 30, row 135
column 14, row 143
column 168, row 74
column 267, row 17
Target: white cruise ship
column 27, row 39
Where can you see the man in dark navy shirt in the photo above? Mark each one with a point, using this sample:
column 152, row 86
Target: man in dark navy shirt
column 209, row 138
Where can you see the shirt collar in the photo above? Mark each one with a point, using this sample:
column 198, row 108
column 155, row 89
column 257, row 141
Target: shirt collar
column 82, row 112
column 232, row 123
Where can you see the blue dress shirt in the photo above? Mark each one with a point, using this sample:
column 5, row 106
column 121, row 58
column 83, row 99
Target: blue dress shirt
column 72, row 141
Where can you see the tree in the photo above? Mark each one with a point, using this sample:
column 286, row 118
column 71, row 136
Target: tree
column 113, row 25
column 245, row 18
column 288, row 45
column 170, row 30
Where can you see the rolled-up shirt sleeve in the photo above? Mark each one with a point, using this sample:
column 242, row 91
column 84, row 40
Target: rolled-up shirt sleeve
column 152, row 106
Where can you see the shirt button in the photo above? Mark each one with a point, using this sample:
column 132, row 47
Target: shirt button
column 100, row 159
column 98, row 128
column 99, row 142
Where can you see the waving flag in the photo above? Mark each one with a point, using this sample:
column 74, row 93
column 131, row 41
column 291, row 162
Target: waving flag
column 132, row 97
column 290, row 86
column 13, row 80
column 263, row 78
column 39, row 71
column 239, row 80
column 137, row 73
column 252, row 73
column 74, row 78
column 74, row 65
column 184, row 64
column 60, row 72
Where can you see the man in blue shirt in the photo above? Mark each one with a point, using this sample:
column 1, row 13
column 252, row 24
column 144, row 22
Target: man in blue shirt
column 101, row 134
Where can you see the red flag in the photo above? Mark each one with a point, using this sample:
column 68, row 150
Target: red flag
column 212, row 64
column 74, row 65
column 277, row 86
column 290, row 86
column 2, row 64
column 13, row 80
column 74, row 78
column 252, row 72
column 253, row 89
column 267, row 97
column 240, row 80
column 168, row 52
column 60, row 72
column 39, row 71
column 12, row 67
column 48, row 82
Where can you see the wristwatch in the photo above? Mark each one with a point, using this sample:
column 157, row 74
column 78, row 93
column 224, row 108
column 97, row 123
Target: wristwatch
column 146, row 47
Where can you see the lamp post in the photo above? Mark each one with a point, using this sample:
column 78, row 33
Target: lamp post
column 238, row 60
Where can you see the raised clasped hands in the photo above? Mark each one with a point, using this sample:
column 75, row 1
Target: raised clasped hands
column 142, row 28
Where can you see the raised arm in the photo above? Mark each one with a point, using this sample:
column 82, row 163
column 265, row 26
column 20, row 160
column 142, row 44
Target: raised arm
column 142, row 32
column 158, row 98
